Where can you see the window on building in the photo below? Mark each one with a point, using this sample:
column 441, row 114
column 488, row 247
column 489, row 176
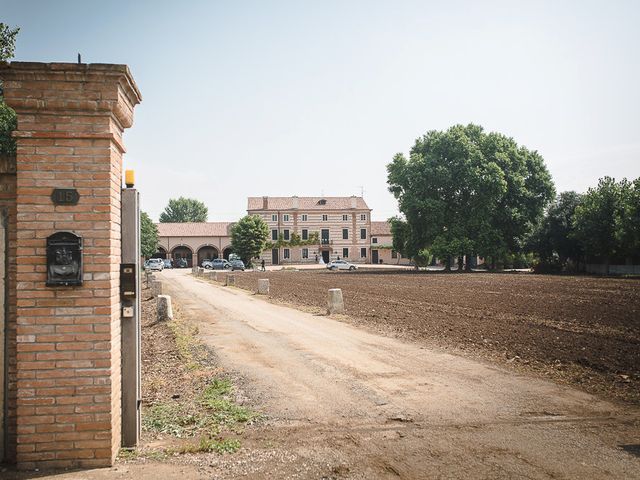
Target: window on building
column 305, row 253
column 274, row 235
column 274, row 217
column 345, row 253
column 325, row 218
column 304, row 217
column 394, row 254
column 345, row 234
column 324, row 236
column 374, row 240
column 286, row 234
column 305, row 234
column 285, row 217
column 363, row 234
column 363, row 252
column 345, row 218
column 286, row 253
column 363, row 216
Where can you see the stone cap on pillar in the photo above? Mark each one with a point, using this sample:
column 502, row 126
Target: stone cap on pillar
column 72, row 88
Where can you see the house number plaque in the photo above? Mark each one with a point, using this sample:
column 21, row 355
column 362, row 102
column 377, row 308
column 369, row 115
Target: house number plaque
column 65, row 196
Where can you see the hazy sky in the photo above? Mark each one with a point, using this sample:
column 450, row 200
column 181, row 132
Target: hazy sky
column 302, row 98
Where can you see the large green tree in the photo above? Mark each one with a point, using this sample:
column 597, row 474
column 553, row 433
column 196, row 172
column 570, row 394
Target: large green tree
column 8, row 122
column 554, row 240
column 465, row 192
column 148, row 235
column 182, row 210
column 249, row 237
column 607, row 222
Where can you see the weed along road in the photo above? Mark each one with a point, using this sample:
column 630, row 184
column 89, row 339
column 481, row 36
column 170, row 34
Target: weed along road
column 376, row 407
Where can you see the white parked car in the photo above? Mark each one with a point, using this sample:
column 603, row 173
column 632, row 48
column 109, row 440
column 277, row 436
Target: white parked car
column 155, row 264
column 341, row 265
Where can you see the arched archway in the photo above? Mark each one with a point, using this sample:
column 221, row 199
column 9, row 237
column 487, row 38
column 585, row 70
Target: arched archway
column 182, row 252
column 207, row 252
column 226, row 252
column 161, row 253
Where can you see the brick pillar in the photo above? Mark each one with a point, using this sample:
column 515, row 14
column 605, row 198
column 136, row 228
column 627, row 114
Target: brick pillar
column 70, row 123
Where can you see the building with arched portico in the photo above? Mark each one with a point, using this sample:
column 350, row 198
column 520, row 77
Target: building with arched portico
column 194, row 242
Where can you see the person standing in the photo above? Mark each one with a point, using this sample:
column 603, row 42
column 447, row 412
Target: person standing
column 262, row 265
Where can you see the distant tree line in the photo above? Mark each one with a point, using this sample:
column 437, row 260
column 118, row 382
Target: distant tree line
column 601, row 226
column 466, row 193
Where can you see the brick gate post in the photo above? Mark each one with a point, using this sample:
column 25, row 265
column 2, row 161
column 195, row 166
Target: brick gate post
column 67, row 367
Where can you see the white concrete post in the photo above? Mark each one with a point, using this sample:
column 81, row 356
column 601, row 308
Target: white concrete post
column 263, row 286
column 165, row 312
column 335, row 302
column 156, row 288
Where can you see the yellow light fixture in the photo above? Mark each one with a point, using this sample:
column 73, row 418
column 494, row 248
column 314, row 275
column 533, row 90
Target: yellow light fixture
column 129, row 178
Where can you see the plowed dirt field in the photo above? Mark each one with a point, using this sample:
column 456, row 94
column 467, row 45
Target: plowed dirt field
column 583, row 331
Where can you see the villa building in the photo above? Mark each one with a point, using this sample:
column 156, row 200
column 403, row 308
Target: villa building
column 301, row 230
column 382, row 245
column 195, row 242
column 309, row 229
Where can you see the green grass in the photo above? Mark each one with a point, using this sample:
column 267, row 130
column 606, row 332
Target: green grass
column 224, row 411
column 216, row 410
column 208, row 445
column 173, row 419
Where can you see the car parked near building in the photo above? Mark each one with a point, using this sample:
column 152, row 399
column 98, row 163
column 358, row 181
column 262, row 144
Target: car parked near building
column 341, row 265
column 237, row 265
column 219, row 264
column 168, row 263
column 155, row 264
column 180, row 263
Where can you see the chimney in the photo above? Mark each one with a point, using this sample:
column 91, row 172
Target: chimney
column 265, row 203
column 354, row 201
column 295, row 201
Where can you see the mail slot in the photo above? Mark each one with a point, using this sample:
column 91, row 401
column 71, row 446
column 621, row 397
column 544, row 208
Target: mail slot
column 64, row 259
column 127, row 280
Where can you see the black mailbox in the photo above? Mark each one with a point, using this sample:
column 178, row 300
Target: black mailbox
column 127, row 280
column 64, row 259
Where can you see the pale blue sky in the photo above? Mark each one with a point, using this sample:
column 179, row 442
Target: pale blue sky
column 256, row 98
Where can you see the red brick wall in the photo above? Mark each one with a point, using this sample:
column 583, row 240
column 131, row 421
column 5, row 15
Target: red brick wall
column 70, row 123
column 8, row 204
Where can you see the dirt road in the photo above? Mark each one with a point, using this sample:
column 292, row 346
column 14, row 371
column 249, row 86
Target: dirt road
column 346, row 403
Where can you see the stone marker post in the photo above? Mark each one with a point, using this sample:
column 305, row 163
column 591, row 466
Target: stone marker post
column 263, row 286
column 156, row 288
column 335, row 302
column 231, row 280
column 163, row 304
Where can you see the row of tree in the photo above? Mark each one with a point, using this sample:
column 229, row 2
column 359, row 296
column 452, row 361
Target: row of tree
column 602, row 225
column 464, row 192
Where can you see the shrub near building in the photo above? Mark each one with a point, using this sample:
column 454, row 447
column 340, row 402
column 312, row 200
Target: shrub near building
column 249, row 237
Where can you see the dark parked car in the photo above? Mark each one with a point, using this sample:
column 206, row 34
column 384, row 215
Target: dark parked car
column 168, row 263
column 237, row 265
column 181, row 263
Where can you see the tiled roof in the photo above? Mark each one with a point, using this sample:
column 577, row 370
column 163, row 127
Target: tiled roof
column 380, row 228
column 204, row 229
column 306, row 203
